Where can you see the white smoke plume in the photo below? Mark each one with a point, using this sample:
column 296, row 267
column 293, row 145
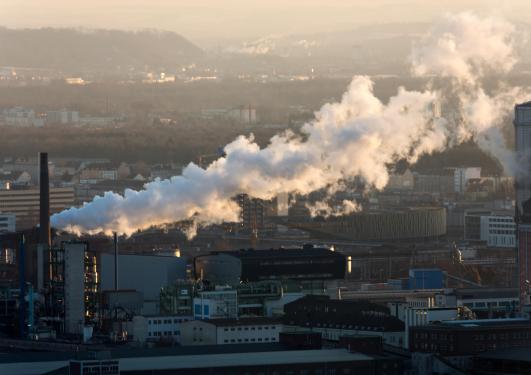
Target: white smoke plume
column 357, row 136
column 325, row 209
column 466, row 47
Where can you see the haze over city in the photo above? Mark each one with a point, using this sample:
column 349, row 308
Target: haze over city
column 297, row 187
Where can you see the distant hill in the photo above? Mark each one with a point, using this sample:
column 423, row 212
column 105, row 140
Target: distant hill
column 76, row 50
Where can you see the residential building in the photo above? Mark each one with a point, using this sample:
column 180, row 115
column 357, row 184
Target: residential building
column 19, row 116
column 496, row 229
column 231, row 331
column 24, row 204
column 62, row 117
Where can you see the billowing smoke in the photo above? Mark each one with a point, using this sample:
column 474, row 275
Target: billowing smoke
column 466, row 47
column 358, row 136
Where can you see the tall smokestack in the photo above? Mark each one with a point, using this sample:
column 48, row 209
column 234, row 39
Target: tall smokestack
column 44, row 183
column 115, row 261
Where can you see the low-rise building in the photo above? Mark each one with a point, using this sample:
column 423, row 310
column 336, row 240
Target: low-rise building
column 157, row 328
column 469, row 337
column 230, row 331
column 336, row 318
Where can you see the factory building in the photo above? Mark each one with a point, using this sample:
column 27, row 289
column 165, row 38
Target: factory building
column 146, row 274
column 468, row 337
column 337, row 318
column 216, row 304
column 74, row 287
column 24, row 204
column 307, row 263
column 388, row 225
column 223, row 360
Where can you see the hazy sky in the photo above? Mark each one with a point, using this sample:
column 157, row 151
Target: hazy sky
column 217, row 19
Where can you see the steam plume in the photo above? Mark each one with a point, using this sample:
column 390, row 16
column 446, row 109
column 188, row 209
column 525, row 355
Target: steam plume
column 358, row 136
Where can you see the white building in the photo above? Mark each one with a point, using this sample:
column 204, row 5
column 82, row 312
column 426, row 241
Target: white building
column 498, row 231
column 217, row 304
column 62, row 117
column 157, row 328
column 7, row 223
column 19, row 116
column 463, row 175
column 230, row 331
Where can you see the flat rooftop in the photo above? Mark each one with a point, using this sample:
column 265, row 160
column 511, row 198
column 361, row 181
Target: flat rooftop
column 195, row 361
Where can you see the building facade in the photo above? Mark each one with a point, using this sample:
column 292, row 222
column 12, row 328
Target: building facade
column 216, row 304
column 24, row 204
column 157, row 328
column 7, row 223
column 231, row 331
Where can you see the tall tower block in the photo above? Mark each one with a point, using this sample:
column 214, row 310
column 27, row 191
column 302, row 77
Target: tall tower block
column 522, row 131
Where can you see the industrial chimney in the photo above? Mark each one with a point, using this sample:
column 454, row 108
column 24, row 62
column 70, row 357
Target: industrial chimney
column 44, row 183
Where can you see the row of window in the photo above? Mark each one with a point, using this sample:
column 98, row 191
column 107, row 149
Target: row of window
column 259, row 328
column 167, row 321
column 165, row 333
column 472, row 305
column 267, row 339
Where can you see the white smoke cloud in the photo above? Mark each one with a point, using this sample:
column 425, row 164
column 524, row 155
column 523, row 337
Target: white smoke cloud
column 325, row 209
column 357, row 136
column 466, row 47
